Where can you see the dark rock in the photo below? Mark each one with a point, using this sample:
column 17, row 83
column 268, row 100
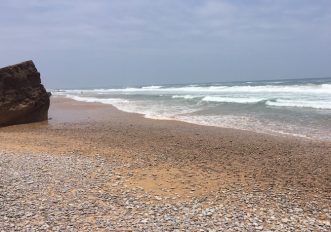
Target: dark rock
column 23, row 99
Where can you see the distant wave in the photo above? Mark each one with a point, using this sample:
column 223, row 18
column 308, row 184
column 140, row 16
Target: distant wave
column 246, row 106
column 232, row 99
column 275, row 102
column 307, row 88
column 281, row 89
column 185, row 96
column 110, row 101
column 299, row 103
column 152, row 87
column 317, row 96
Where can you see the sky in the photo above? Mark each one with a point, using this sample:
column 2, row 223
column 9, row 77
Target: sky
column 105, row 43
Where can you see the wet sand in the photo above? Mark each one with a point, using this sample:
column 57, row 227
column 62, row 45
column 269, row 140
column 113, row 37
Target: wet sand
column 178, row 162
column 240, row 157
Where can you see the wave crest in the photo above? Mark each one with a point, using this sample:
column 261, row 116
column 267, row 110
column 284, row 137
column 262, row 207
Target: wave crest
column 299, row 103
column 242, row 100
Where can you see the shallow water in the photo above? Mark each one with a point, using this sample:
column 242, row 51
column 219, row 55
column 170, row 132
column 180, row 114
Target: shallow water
column 291, row 107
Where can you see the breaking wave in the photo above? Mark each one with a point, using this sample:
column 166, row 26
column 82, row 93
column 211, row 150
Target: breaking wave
column 298, row 108
column 300, row 103
column 232, row 99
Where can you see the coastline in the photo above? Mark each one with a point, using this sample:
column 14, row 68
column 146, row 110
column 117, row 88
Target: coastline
column 274, row 134
column 107, row 129
column 181, row 162
column 299, row 109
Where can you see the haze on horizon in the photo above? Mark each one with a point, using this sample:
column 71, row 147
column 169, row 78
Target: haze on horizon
column 138, row 42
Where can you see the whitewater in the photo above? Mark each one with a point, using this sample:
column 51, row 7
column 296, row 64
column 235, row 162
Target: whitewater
column 285, row 107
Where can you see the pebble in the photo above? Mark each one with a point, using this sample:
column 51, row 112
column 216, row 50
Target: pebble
column 158, row 198
column 72, row 192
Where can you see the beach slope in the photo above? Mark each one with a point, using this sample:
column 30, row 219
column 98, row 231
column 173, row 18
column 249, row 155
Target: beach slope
column 94, row 167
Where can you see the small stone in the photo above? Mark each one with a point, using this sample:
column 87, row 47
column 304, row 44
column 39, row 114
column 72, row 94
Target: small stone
column 285, row 220
column 144, row 220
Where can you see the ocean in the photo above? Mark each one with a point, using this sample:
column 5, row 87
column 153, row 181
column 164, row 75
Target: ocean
column 284, row 107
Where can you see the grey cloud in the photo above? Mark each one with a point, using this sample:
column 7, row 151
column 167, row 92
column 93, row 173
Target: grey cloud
column 162, row 41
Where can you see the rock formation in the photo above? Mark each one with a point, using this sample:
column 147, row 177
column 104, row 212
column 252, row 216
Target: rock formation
column 23, row 99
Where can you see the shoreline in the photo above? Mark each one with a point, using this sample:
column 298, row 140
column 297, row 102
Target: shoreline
column 275, row 133
column 96, row 153
column 126, row 132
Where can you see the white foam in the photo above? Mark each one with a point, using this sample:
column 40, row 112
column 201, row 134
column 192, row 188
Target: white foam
column 307, row 88
column 232, row 99
column 141, row 107
column 152, row 87
column 161, row 102
column 246, row 123
column 110, row 101
column 226, row 121
column 187, row 113
column 185, row 96
column 300, row 103
column 305, row 95
column 262, row 89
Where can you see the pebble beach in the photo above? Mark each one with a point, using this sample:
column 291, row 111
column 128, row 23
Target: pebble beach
column 94, row 168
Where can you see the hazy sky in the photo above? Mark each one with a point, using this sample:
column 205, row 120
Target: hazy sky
column 99, row 43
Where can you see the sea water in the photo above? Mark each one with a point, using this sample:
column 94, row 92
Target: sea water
column 285, row 107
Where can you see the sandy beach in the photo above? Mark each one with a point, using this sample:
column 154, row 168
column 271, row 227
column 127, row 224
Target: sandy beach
column 93, row 167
